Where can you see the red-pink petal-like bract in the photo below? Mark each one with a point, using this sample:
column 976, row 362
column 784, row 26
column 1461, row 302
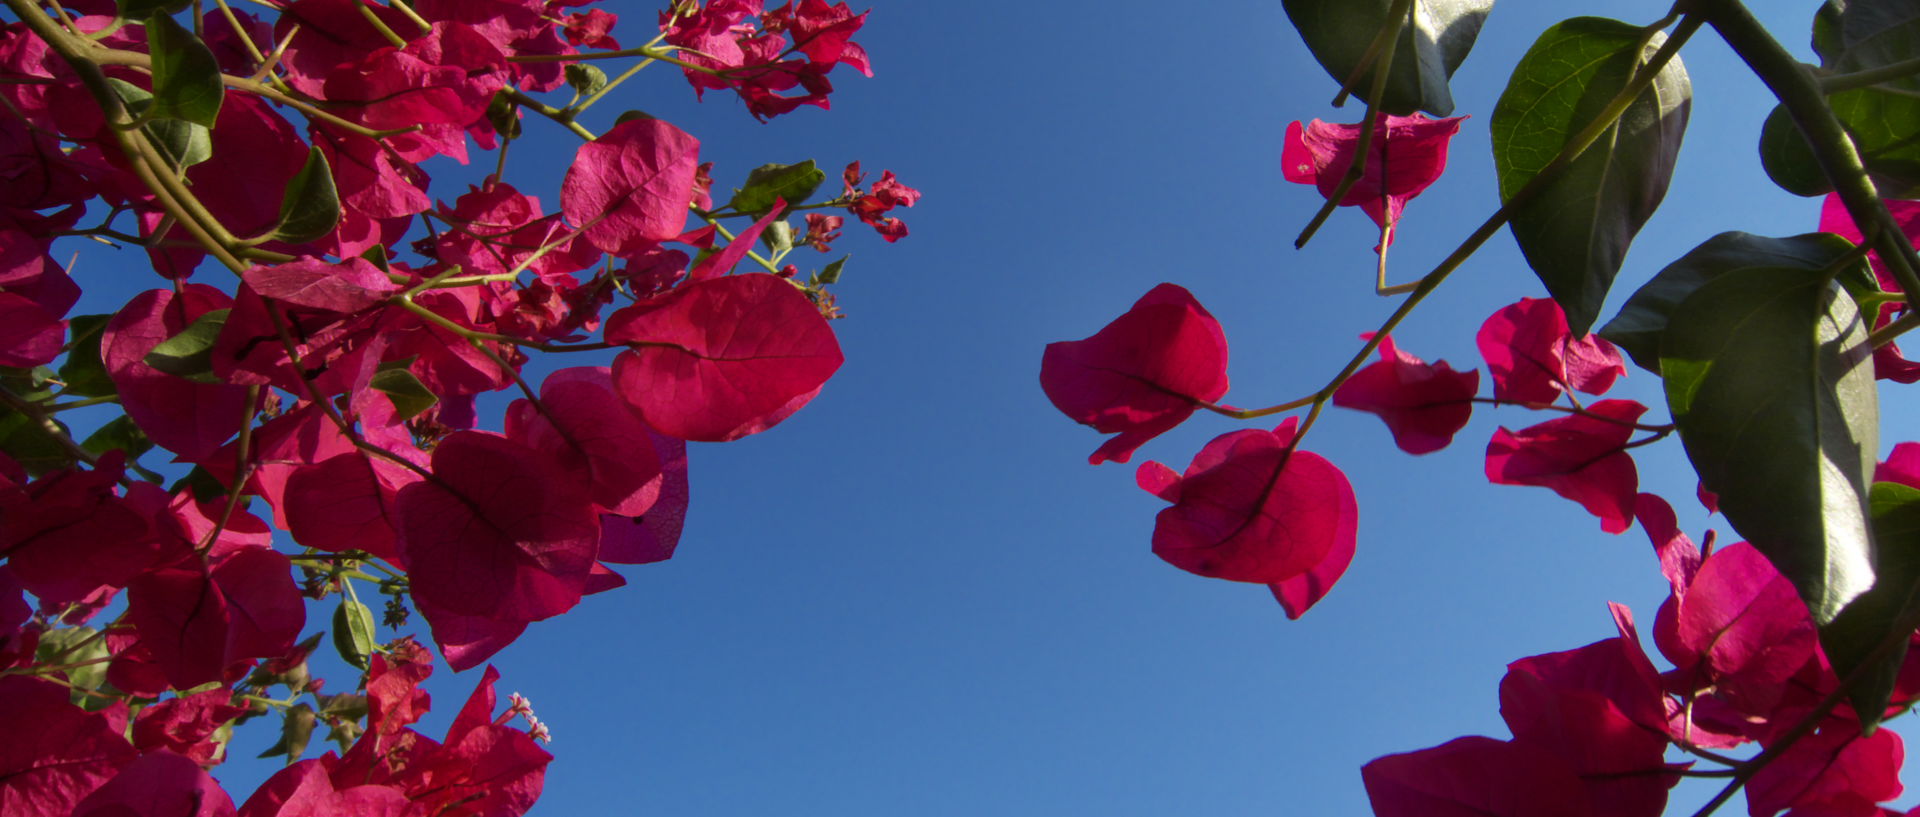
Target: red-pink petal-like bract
column 1140, row 375
column 1407, row 155
column 1251, row 509
column 630, row 188
column 500, row 531
column 1423, row 404
column 1533, row 357
column 1581, row 457
column 719, row 359
column 1475, row 777
column 54, row 753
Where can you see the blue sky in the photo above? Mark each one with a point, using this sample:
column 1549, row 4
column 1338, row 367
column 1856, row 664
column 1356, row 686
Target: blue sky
column 915, row 596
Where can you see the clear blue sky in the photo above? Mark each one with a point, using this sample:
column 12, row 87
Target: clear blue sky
column 915, row 597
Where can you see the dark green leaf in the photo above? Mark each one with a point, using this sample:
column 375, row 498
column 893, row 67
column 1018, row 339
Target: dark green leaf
column 585, row 78
column 202, row 483
column 1770, row 378
column 190, row 353
column 504, row 116
column 186, row 77
column 1884, row 126
column 30, row 445
column 1575, row 234
column 778, row 237
column 82, row 371
column 629, row 116
column 295, row 731
column 353, row 634
column 1442, row 32
column 830, row 274
column 142, row 9
column 409, row 395
column 791, row 182
column 310, row 209
column 183, row 143
column 1852, row 637
column 1876, row 34
column 1788, row 159
column 376, row 255
column 76, row 645
column 119, row 434
column 1827, row 41
column 1644, row 316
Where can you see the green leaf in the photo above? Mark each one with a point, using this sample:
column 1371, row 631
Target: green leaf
column 1575, row 233
column 1788, row 159
column 190, row 353
column 1437, row 41
column 295, row 732
column 1827, row 41
column 1851, row 637
column 142, row 9
column 830, row 274
column 585, row 78
column 504, row 116
column 1874, row 34
column 186, row 77
column 793, row 182
column 409, row 395
column 377, row 256
column 82, row 371
column 183, row 143
column 28, row 444
column 119, row 434
column 1770, row 379
column 204, row 485
column 1883, row 124
column 310, row 209
column 1644, row 316
column 353, row 634
column 75, row 645
column 778, row 237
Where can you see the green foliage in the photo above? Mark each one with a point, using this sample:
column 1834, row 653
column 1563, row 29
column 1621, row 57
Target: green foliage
column 1770, row 381
column 1575, row 234
column 1644, row 317
column 310, row 208
column 353, row 633
column 189, row 354
column 83, row 372
column 795, row 183
column 182, row 143
column 409, row 395
column 186, row 77
column 1851, row 638
column 1432, row 45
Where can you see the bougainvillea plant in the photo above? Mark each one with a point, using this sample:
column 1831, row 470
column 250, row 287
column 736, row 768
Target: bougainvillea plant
column 309, row 357
column 1788, row 647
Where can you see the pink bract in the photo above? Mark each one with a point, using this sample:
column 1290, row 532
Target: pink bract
column 1407, row 155
column 630, row 188
column 1251, row 509
column 1581, row 457
column 722, row 358
column 1533, row 357
column 1140, row 375
column 1423, row 404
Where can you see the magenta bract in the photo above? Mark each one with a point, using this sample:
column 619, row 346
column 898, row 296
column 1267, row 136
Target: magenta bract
column 1423, row 404
column 1407, row 155
column 1251, row 509
column 719, row 359
column 1581, row 457
column 1140, row 375
column 1533, row 357
column 630, row 188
